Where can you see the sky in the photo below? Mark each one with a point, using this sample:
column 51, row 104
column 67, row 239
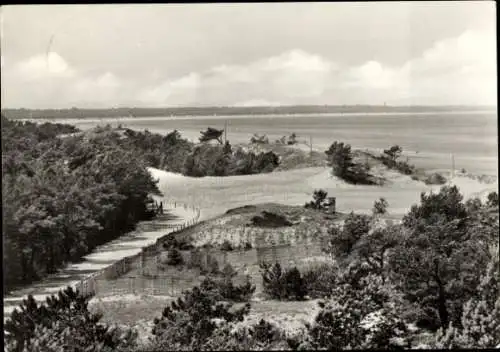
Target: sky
column 166, row 55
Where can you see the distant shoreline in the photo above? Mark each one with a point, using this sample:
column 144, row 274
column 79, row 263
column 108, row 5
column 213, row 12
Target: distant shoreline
column 214, row 111
column 258, row 115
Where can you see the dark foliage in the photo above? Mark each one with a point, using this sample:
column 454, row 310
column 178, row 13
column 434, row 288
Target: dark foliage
column 443, row 251
column 64, row 196
column 174, row 257
column 319, row 200
column 390, row 159
column 211, row 134
column 341, row 160
column 269, row 219
column 190, row 322
column 346, row 320
column 226, row 246
column 63, row 321
column 283, row 283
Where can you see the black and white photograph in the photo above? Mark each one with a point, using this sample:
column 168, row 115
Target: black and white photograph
column 250, row 176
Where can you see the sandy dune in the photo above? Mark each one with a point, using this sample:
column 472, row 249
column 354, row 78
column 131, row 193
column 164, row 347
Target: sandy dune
column 215, row 195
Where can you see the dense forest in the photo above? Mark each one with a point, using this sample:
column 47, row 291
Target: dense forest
column 210, row 111
column 63, row 197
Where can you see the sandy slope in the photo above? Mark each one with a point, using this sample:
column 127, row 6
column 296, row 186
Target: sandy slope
column 215, row 195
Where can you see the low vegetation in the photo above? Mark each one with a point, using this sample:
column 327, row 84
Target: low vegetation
column 340, row 158
column 281, row 283
column 390, row 158
column 63, row 323
column 321, row 201
column 270, row 219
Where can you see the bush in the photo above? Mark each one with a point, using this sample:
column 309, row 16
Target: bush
column 321, row 280
column 269, row 219
column 62, row 322
column 480, row 320
column 435, row 179
column 319, row 200
column 282, row 283
column 340, row 158
column 343, row 239
column 364, row 318
column 492, row 200
column 257, row 139
column 257, row 337
column 226, row 290
column 226, row 246
column 380, row 207
column 175, row 257
column 190, row 322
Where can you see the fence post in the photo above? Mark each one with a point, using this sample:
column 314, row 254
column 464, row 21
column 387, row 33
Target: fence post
column 143, row 261
column 275, row 253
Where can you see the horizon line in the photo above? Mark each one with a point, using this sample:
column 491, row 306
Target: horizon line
column 260, row 106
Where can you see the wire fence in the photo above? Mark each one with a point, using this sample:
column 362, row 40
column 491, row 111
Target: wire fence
column 152, row 280
column 88, row 286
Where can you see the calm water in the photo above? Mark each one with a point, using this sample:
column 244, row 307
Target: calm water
column 428, row 139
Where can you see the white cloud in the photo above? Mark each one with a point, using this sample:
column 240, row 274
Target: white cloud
column 179, row 91
column 46, row 66
column 459, row 70
column 49, row 80
column 288, row 76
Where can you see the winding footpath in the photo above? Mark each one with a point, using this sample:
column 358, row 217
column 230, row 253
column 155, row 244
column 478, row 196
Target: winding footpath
column 146, row 233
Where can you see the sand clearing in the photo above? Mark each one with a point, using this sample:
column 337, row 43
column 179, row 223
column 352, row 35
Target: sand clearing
column 215, row 195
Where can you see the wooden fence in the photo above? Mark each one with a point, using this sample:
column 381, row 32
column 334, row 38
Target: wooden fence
column 88, row 286
column 157, row 282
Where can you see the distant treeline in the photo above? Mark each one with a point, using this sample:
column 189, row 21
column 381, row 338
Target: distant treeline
column 62, row 197
column 75, row 113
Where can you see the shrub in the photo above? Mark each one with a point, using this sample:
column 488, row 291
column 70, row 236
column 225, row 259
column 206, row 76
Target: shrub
column 321, row 280
column 257, row 139
column 62, row 321
column 257, row 337
column 480, row 320
column 435, row 179
column 282, row 283
column 319, row 200
column 393, row 153
column 211, row 134
column 191, row 321
column 340, row 158
column 269, row 219
column 380, row 207
column 359, row 318
column 175, row 257
column 224, row 289
column 226, row 246
column 492, row 199
column 343, row 239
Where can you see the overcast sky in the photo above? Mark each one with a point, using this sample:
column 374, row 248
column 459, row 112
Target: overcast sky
column 248, row 54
